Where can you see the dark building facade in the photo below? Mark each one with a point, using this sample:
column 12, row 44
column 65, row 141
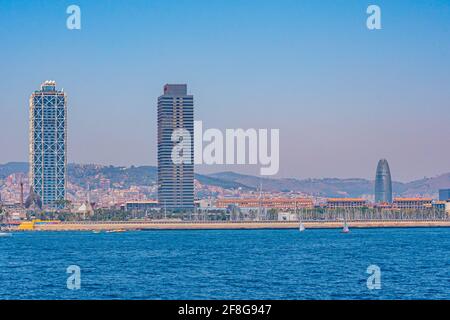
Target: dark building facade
column 175, row 180
column 444, row 195
column 383, row 183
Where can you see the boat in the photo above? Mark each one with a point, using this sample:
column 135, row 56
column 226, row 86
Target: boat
column 301, row 228
column 345, row 229
column 5, row 234
column 116, row 230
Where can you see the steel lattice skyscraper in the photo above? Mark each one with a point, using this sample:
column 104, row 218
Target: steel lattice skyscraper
column 175, row 181
column 383, row 183
column 48, row 144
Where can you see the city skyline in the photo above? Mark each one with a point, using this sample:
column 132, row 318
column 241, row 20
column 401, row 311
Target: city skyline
column 342, row 97
column 233, row 158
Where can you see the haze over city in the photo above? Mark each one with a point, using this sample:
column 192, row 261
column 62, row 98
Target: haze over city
column 342, row 97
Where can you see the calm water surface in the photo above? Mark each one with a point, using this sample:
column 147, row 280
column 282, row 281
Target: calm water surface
column 227, row 264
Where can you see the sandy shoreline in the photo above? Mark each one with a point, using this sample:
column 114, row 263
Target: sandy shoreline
column 178, row 225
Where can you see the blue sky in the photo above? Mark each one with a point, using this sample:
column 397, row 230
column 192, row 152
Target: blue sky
column 342, row 96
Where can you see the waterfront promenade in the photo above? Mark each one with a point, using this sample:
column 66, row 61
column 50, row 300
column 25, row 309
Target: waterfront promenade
column 186, row 225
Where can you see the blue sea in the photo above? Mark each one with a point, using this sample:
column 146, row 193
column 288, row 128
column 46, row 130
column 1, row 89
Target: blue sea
column 227, row 264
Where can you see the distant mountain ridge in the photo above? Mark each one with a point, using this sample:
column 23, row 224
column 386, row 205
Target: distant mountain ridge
column 13, row 167
column 328, row 187
column 90, row 174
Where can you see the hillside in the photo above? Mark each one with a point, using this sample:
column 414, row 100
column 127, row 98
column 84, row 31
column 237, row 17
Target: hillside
column 123, row 177
column 120, row 177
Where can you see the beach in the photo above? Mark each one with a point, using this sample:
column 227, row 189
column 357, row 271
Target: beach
column 217, row 225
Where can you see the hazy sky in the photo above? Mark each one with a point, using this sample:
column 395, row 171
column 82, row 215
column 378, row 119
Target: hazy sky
column 342, row 96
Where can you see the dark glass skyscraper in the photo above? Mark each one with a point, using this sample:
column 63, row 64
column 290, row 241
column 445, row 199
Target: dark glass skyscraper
column 444, row 194
column 175, row 181
column 48, row 140
column 383, row 183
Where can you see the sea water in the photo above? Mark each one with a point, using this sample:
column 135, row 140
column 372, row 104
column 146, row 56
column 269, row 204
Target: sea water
column 227, row 264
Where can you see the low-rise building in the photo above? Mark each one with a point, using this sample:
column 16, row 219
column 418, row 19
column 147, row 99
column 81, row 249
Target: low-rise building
column 268, row 203
column 440, row 205
column 334, row 203
column 203, row 203
column 287, row 216
column 412, row 203
column 142, row 205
